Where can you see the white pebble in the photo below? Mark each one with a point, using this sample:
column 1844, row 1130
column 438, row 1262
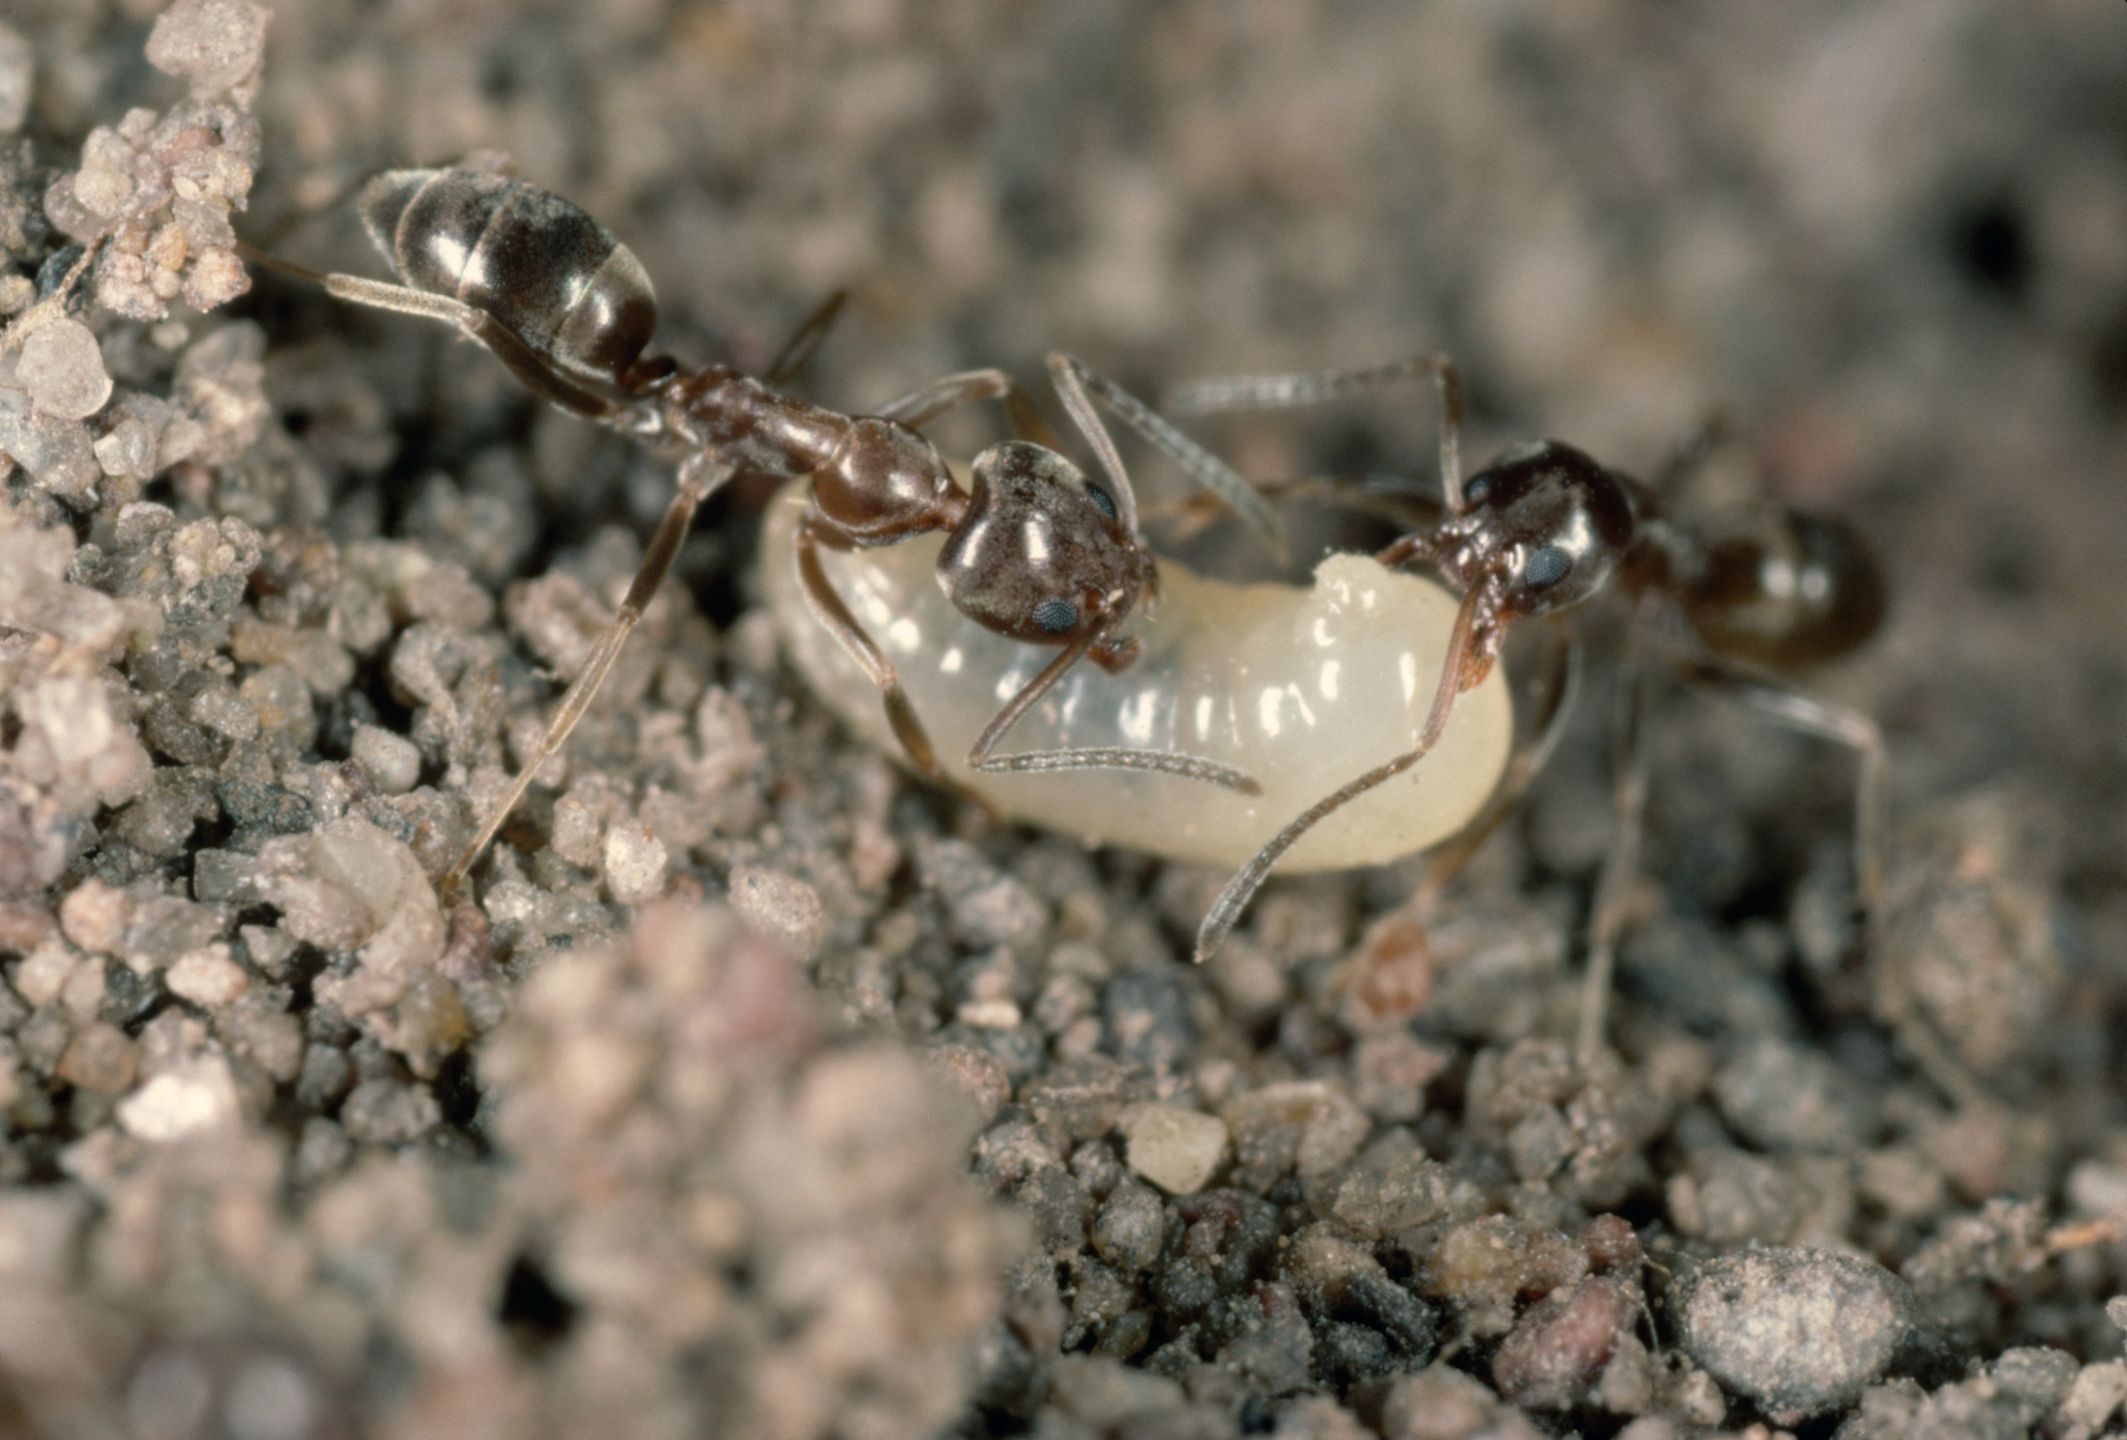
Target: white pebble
column 195, row 1097
column 214, row 44
column 207, row 977
column 128, row 449
column 635, row 863
column 779, row 907
column 1176, row 1149
column 62, row 368
column 391, row 761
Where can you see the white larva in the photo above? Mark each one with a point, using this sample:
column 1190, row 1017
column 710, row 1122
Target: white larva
column 1303, row 688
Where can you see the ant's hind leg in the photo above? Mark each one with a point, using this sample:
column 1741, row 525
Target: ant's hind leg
column 1613, row 886
column 971, row 387
column 477, row 325
column 829, row 609
column 1225, row 393
column 698, row 481
column 1784, row 705
column 1781, row 703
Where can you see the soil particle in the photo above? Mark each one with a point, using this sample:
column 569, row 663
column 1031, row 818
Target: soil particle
column 1796, row 1332
column 1176, row 1149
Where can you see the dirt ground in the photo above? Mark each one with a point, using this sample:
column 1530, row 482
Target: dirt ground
column 758, row 1090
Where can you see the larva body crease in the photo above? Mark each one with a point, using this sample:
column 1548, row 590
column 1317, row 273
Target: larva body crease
column 1302, row 687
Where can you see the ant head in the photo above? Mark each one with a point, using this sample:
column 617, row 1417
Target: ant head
column 1041, row 554
column 1547, row 524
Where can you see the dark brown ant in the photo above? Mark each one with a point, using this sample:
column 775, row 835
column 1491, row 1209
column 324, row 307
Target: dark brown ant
column 1035, row 550
column 1545, row 529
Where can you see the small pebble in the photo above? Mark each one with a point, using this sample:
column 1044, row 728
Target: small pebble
column 194, row 1098
column 62, row 368
column 1798, row 1331
column 207, row 977
column 392, row 762
column 2096, row 1396
column 779, row 907
column 100, row 1058
column 213, row 44
column 1176, row 1149
column 94, row 915
column 635, row 862
column 1555, row 1354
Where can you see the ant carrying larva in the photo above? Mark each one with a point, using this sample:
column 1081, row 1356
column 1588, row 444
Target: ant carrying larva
column 1034, row 551
column 1538, row 533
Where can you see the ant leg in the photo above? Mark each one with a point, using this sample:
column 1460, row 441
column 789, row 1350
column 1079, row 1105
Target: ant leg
column 1785, row 705
column 1782, row 703
column 1204, row 468
column 1628, row 808
column 1226, row 910
column 798, row 350
column 971, row 387
column 477, row 325
column 1035, row 762
column 1188, row 516
column 828, row 608
column 1222, row 393
column 699, row 478
column 1556, row 690
column 1688, row 460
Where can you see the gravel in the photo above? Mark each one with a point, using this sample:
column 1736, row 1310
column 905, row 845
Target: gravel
column 1797, row 1332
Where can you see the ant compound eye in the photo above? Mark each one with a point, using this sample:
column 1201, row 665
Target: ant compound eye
column 1058, row 617
column 1479, row 486
column 1102, row 500
column 1545, row 567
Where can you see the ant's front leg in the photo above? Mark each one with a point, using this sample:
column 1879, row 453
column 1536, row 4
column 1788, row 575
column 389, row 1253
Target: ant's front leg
column 829, row 609
column 1078, row 385
column 1464, row 641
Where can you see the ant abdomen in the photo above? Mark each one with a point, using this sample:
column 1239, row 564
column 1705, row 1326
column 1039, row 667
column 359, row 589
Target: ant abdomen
column 542, row 268
column 1785, row 589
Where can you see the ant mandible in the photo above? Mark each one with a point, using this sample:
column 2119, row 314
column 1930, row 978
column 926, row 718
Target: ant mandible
column 1543, row 530
column 1036, row 551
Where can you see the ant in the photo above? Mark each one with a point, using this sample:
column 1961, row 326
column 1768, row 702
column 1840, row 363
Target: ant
column 1542, row 531
column 1035, row 550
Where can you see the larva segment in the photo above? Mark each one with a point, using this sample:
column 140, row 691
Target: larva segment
column 1301, row 687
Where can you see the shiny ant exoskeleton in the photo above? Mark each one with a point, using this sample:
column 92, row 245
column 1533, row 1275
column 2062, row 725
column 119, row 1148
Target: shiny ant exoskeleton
column 1035, row 551
column 1546, row 528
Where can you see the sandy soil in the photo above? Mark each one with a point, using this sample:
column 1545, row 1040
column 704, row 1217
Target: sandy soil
column 758, row 1091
